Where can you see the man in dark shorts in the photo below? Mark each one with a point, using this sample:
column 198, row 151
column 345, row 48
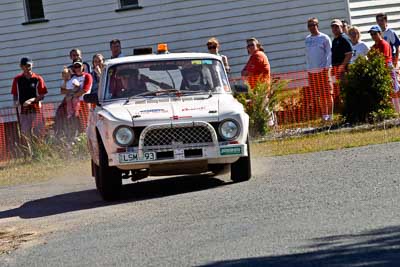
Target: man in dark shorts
column 342, row 51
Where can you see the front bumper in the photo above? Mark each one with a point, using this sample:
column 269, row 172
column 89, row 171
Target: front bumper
column 144, row 159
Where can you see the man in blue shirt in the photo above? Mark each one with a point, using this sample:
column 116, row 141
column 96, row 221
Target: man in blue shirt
column 390, row 36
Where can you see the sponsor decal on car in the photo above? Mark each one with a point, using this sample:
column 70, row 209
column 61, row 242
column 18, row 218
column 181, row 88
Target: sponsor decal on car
column 180, row 117
column 237, row 150
column 193, row 109
column 154, row 110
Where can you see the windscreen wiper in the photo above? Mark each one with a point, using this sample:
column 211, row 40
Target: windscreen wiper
column 152, row 94
column 158, row 92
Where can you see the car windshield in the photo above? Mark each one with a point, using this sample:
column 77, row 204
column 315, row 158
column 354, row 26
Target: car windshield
column 187, row 76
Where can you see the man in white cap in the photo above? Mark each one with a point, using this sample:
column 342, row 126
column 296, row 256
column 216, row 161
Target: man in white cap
column 342, row 51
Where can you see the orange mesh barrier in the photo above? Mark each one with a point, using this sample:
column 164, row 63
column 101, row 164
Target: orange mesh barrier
column 310, row 99
column 48, row 120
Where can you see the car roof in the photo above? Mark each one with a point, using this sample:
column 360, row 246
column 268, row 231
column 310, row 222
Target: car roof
column 157, row 57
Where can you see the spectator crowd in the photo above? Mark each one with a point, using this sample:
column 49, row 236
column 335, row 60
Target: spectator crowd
column 326, row 60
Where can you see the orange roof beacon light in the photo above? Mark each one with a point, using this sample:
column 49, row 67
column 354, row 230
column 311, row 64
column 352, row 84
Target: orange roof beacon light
column 162, row 49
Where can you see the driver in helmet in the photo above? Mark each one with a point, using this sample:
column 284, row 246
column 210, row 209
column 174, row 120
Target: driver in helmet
column 194, row 79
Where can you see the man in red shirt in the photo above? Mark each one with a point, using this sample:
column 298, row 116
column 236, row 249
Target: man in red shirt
column 384, row 47
column 257, row 68
column 28, row 89
column 381, row 44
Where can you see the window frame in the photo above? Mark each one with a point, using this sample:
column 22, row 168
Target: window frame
column 28, row 15
column 128, row 7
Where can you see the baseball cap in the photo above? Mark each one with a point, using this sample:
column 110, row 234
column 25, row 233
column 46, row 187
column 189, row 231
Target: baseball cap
column 337, row 22
column 77, row 61
column 375, row 28
column 26, row 61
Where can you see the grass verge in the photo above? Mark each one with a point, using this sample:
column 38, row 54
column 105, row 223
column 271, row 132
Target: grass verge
column 325, row 141
column 32, row 172
column 38, row 171
column 44, row 159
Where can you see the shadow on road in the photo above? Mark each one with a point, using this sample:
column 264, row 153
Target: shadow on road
column 89, row 199
column 375, row 248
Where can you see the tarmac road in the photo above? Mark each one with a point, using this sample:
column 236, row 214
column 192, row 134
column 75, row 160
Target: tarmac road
column 335, row 208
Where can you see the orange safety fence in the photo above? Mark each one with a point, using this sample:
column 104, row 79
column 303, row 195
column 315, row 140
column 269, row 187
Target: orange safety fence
column 49, row 120
column 310, row 99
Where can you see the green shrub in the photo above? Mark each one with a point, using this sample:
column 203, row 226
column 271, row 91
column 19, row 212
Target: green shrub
column 366, row 90
column 260, row 102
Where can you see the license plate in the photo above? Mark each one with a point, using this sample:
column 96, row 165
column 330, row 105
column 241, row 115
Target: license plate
column 133, row 157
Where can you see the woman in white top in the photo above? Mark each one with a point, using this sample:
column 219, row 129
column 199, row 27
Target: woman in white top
column 359, row 47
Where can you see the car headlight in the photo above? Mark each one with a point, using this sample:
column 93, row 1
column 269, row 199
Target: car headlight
column 229, row 129
column 124, row 136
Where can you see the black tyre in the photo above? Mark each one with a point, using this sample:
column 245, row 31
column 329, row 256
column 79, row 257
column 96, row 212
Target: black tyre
column 241, row 169
column 108, row 179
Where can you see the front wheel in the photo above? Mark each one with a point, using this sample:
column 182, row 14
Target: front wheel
column 108, row 179
column 241, row 169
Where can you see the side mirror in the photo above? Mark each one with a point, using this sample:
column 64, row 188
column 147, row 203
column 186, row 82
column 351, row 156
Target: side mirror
column 91, row 98
column 240, row 88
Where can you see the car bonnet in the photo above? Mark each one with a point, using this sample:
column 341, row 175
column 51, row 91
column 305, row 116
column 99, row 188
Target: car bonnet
column 148, row 111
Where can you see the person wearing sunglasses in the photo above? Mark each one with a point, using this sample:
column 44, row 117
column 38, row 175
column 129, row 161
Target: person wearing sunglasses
column 257, row 68
column 342, row 51
column 318, row 60
column 81, row 84
column 380, row 44
column 28, row 89
column 85, row 79
column 384, row 47
column 213, row 48
column 359, row 47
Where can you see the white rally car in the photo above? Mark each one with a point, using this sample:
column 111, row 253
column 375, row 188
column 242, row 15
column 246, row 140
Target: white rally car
column 165, row 114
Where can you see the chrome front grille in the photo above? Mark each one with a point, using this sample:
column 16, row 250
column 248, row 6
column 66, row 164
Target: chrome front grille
column 176, row 136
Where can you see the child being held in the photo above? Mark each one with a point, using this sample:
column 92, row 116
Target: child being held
column 72, row 86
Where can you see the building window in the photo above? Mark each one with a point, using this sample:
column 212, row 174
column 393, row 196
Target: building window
column 129, row 3
column 34, row 9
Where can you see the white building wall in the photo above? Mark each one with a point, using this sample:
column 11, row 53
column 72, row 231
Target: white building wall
column 185, row 25
column 363, row 14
